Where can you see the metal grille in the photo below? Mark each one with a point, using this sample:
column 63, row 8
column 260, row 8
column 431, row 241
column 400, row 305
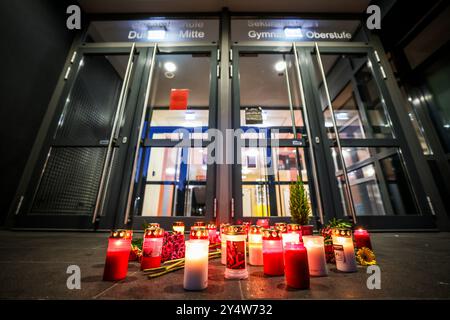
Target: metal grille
column 70, row 182
column 91, row 103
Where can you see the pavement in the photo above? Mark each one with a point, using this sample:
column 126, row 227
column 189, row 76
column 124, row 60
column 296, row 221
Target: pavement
column 34, row 265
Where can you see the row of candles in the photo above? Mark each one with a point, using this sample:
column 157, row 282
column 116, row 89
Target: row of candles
column 285, row 249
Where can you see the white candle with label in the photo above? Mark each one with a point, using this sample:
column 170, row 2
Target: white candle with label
column 290, row 237
column 255, row 254
column 196, row 265
column 344, row 251
column 316, row 255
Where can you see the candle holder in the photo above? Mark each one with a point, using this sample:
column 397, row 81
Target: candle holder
column 223, row 243
column 362, row 239
column 255, row 253
column 264, row 223
column 199, row 224
column 236, row 257
column 316, row 255
column 296, row 266
column 152, row 248
column 282, row 226
column 212, row 232
column 344, row 252
column 153, row 225
column 273, row 252
column 196, row 265
column 178, row 227
column 117, row 255
column 307, row 230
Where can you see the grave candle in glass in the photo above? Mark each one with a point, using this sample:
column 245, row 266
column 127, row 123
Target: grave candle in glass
column 296, row 266
column 362, row 239
column 211, row 232
column 117, row 254
column 316, row 255
column 282, row 227
column 273, row 252
column 196, row 265
column 199, row 234
column 223, row 241
column 178, row 227
column 247, row 225
column 344, row 251
column 153, row 225
column 307, row 230
column 295, row 229
column 255, row 255
column 236, row 262
column 264, row 223
column 152, row 247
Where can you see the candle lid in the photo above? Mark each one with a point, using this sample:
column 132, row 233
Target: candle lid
column 153, row 224
column 154, row 232
column 121, row 234
column 342, row 232
column 281, row 226
column 293, row 227
column 178, row 224
column 211, row 226
column 271, row 234
column 199, row 224
column 235, row 230
column 255, row 229
column 198, row 233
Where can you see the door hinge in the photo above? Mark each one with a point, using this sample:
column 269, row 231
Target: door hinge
column 231, row 54
column 215, row 208
column 74, row 55
column 232, row 208
column 19, row 205
column 377, row 56
column 231, row 71
column 218, row 54
column 383, row 73
column 218, row 71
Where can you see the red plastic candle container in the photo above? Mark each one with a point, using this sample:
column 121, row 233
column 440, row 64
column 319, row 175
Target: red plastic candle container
column 152, row 248
column 178, row 227
column 153, row 225
column 273, row 252
column 296, row 266
column 236, row 259
column 362, row 239
column 117, row 254
column 295, row 228
column 307, row 230
column 281, row 226
column 212, row 228
column 199, row 233
column 264, row 223
column 223, row 240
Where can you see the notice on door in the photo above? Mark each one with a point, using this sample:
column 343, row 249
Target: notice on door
column 179, row 99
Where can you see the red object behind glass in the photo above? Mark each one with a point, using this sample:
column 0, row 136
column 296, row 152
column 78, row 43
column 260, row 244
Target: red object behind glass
column 179, row 99
column 273, row 252
column 264, row 223
column 296, row 266
column 362, row 239
column 307, row 230
column 117, row 254
column 152, row 248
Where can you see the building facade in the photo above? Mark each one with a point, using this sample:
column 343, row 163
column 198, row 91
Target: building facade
column 213, row 116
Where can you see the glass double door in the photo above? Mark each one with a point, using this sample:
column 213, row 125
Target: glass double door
column 323, row 114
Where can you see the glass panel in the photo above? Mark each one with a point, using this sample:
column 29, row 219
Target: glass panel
column 360, row 110
column 175, row 182
column 378, row 181
column 255, row 200
column 174, row 71
column 263, row 84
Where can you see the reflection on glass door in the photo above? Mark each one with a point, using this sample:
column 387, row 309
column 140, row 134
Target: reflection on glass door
column 369, row 167
column 268, row 87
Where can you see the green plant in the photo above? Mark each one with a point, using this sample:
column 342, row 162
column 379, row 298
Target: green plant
column 299, row 203
column 338, row 223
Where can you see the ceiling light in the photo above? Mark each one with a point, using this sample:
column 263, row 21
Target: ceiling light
column 156, row 34
column 170, row 66
column 280, row 66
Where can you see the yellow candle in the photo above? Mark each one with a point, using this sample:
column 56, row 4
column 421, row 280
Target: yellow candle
column 255, row 255
column 344, row 251
column 196, row 265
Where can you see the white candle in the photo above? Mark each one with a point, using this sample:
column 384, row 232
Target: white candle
column 196, row 265
column 344, row 251
column 290, row 237
column 255, row 254
column 316, row 255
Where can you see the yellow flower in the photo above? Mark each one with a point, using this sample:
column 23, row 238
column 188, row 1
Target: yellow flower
column 365, row 257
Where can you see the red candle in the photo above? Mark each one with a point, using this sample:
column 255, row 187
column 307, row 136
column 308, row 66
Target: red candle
column 307, row 230
column 199, row 224
column 199, row 233
column 282, row 226
column 264, row 223
column 273, row 252
column 212, row 228
column 117, row 255
column 152, row 248
column 362, row 239
column 296, row 266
